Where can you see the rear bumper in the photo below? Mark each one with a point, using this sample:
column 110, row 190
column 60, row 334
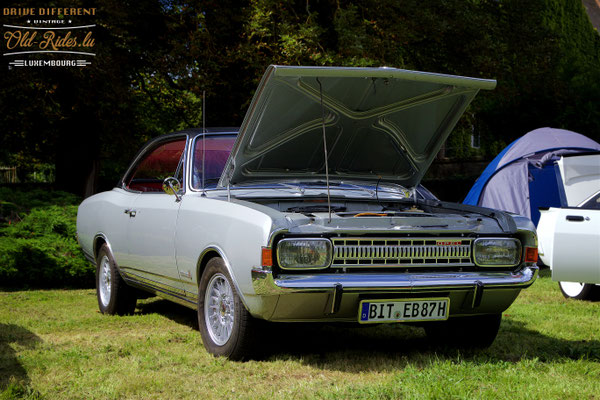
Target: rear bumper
column 335, row 297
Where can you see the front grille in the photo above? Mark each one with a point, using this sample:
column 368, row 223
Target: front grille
column 401, row 252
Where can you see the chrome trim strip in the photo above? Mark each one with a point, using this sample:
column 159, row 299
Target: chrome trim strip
column 264, row 283
column 161, row 286
column 154, row 274
column 161, row 293
column 103, row 236
column 378, row 252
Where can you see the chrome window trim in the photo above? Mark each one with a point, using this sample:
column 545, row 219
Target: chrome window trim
column 521, row 247
column 330, row 251
column 144, row 151
column 190, row 160
column 366, row 252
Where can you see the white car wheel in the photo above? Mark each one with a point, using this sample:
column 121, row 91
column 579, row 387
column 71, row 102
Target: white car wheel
column 227, row 328
column 114, row 295
column 219, row 309
column 579, row 290
column 104, row 281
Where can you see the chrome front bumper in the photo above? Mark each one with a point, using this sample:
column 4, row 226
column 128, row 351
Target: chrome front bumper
column 265, row 284
column 335, row 297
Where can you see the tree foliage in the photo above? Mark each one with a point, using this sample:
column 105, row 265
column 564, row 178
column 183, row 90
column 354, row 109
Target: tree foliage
column 156, row 57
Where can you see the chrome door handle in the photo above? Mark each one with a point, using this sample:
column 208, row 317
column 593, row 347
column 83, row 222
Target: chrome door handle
column 130, row 212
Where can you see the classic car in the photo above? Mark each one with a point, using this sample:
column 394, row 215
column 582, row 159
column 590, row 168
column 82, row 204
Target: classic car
column 312, row 213
column 569, row 236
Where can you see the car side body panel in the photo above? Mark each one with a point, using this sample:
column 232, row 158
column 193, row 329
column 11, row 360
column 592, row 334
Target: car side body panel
column 570, row 239
column 103, row 216
column 235, row 232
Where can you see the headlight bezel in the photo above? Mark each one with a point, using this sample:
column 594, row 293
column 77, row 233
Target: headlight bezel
column 325, row 265
column 518, row 253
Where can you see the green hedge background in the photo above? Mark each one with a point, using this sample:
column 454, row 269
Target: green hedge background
column 38, row 245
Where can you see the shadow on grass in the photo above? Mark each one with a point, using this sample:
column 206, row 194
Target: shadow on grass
column 173, row 311
column 11, row 370
column 349, row 347
column 393, row 346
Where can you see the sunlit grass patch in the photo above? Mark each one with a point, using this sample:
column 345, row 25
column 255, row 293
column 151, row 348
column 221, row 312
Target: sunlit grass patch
column 55, row 344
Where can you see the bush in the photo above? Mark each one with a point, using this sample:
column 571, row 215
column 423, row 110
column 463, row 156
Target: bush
column 38, row 245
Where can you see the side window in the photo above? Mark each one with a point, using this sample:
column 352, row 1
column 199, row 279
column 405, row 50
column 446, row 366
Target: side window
column 593, row 203
column 216, row 149
column 162, row 162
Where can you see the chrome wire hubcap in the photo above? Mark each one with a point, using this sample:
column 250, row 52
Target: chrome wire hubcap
column 104, row 281
column 572, row 289
column 219, row 309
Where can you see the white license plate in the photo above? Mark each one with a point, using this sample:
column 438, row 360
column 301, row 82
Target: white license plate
column 377, row 311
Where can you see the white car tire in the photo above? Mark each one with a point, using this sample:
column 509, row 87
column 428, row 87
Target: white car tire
column 115, row 297
column 227, row 328
column 579, row 290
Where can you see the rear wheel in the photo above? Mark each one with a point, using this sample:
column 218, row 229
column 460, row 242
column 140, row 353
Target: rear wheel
column 227, row 328
column 114, row 295
column 478, row 331
column 579, row 291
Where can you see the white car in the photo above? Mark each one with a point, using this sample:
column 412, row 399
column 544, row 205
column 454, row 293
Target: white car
column 312, row 213
column 569, row 237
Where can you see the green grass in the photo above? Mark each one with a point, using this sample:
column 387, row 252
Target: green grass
column 55, row 344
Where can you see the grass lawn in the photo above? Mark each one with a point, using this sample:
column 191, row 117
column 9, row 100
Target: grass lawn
column 55, row 344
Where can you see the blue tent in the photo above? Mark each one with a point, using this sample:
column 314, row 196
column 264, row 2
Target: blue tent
column 524, row 177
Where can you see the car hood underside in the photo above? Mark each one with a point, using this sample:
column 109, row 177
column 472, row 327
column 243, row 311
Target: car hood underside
column 380, row 124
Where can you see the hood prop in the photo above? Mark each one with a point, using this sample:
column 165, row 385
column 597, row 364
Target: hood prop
column 325, row 149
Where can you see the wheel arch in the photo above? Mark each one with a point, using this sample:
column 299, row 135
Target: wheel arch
column 99, row 240
column 208, row 254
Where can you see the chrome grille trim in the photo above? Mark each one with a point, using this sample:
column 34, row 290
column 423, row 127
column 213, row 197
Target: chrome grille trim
column 352, row 252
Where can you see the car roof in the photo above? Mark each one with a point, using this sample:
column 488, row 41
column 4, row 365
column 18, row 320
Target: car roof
column 193, row 132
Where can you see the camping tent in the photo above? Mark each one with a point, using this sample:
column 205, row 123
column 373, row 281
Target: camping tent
column 524, row 177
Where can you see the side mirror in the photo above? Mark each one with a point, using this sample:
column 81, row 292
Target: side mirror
column 172, row 186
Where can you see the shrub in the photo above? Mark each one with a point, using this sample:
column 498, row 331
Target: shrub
column 38, row 246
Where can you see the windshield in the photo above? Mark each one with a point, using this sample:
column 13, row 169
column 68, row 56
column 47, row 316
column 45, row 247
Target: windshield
column 216, row 149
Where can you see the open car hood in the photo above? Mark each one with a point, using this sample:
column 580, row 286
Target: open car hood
column 380, row 123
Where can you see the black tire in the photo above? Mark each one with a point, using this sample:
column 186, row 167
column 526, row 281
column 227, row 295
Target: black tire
column 121, row 298
column 586, row 291
column 466, row 332
column 239, row 344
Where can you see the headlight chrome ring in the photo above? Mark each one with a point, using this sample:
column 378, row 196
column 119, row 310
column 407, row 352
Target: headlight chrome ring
column 497, row 252
column 304, row 253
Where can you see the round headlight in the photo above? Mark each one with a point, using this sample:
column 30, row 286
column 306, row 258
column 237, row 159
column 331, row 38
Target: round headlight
column 304, row 253
column 490, row 252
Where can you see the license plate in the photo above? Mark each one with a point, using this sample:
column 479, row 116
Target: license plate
column 378, row 311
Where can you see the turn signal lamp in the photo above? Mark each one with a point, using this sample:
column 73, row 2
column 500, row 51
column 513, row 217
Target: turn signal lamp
column 267, row 257
column 531, row 254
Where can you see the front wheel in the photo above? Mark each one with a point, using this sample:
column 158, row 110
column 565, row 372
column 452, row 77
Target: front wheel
column 579, row 291
column 478, row 331
column 226, row 327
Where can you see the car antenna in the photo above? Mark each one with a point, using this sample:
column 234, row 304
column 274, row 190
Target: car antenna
column 203, row 138
column 325, row 149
